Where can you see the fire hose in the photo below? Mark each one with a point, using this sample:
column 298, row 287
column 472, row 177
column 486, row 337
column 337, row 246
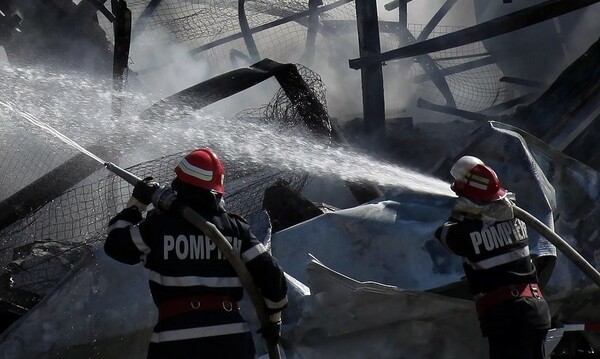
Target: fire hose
column 163, row 198
column 560, row 243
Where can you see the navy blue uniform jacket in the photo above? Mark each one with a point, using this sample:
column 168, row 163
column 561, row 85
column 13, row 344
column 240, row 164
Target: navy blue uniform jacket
column 182, row 261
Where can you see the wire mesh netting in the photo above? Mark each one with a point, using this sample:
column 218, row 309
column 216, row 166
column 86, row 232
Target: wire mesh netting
column 39, row 159
column 211, row 31
column 469, row 70
column 78, row 218
column 198, row 23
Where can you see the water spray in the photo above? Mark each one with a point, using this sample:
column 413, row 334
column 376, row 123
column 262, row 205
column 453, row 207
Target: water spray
column 164, row 199
column 36, row 122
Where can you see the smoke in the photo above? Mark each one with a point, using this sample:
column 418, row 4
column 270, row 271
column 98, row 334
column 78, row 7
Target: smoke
column 163, row 66
column 342, row 84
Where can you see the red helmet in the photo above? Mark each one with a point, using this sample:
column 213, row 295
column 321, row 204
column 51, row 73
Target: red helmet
column 202, row 168
column 476, row 181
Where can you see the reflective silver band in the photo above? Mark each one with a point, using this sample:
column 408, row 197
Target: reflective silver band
column 119, row 224
column 500, row 259
column 190, row 281
column 276, row 305
column 201, row 332
column 194, row 171
column 253, row 252
column 136, row 238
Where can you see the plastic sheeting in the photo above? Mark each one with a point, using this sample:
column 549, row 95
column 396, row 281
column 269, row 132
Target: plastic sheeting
column 385, row 242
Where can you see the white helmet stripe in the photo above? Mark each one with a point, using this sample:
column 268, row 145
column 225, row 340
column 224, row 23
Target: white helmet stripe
column 478, row 185
column 200, row 173
column 479, row 179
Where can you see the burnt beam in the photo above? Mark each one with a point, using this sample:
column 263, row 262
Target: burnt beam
column 246, row 33
column 122, row 32
column 371, row 76
column 312, row 29
column 435, row 20
column 422, row 103
column 458, row 68
column 523, row 82
column 499, row 26
column 47, row 188
column 210, row 91
column 396, row 3
column 145, row 17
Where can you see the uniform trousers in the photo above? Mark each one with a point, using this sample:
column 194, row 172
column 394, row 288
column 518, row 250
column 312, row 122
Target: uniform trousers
column 227, row 346
column 517, row 329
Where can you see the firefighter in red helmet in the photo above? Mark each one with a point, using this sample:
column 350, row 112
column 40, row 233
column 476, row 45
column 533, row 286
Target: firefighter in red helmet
column 482, row 229
column 193, row 285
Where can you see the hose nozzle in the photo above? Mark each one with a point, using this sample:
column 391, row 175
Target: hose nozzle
column 126, row 175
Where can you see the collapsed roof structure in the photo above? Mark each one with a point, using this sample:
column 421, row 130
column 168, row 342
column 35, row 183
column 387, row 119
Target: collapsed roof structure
column 358, row 252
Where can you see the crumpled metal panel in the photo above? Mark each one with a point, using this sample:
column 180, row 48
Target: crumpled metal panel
column 351, row 319
column 103, row 309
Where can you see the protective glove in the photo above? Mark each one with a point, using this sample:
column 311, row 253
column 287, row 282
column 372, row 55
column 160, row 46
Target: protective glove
column 271, row 332
column 142, row 194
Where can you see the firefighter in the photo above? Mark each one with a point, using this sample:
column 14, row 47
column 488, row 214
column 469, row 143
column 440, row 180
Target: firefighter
column 193, row 285
column 482, row 229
